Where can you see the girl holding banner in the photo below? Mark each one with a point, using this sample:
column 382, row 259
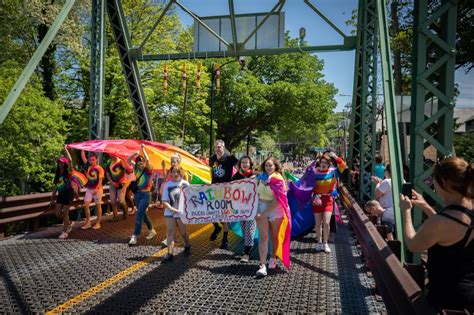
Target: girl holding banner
column 274, row 214
column 245, row 166
column 171, row 194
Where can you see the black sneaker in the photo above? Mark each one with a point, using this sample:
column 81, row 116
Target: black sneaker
column 217, row 230
column 187, row 250
column 225, row 244
column 168, row 258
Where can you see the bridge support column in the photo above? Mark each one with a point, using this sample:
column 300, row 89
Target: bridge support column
column 123, row 41
column 96, row 106
column 364, row 103
column 433, row 59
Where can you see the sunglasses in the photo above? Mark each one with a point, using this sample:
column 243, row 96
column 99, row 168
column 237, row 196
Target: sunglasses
column 442, row 158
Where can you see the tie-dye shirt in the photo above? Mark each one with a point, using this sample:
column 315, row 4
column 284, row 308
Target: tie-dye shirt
column 116, row 171
column 63, row 181
column 326, row 181
column 93, row 174
column 145, row 181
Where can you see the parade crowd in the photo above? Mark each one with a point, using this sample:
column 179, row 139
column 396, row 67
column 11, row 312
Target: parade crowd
column 134, row 184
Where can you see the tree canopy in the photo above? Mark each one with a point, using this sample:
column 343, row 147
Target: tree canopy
column 275, row 99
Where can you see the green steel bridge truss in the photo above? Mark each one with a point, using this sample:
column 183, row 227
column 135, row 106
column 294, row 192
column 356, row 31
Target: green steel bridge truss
column 433, row 58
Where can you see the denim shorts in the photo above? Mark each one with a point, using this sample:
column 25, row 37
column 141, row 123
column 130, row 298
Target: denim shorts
column 276, row 213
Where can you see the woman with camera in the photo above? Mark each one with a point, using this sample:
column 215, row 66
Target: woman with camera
column 447, row 235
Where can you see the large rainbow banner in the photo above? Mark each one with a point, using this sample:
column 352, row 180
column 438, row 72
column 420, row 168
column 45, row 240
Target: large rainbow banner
column 225, row 202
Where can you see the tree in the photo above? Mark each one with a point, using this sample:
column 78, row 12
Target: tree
column 464, row 146
column 31, row 137
column 283, row 95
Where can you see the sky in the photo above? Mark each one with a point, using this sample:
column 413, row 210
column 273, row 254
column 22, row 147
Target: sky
column 338, row 66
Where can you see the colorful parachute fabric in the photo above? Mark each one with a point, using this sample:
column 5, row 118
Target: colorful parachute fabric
column 157, row 152
column 299, row 196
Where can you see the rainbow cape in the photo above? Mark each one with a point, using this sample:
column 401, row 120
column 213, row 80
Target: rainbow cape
column 278, row 187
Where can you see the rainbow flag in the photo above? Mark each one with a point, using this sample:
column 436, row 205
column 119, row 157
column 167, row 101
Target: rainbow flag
column 195, row 179
column 278, row 187
column 291, row 176
column 79, row 178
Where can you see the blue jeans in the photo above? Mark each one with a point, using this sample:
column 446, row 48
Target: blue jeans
column 142, row 200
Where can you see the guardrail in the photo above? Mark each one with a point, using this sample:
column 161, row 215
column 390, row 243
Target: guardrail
column 34, row 206
column 400, row 292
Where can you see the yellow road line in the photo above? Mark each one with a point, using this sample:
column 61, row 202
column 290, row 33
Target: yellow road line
column 105, row 284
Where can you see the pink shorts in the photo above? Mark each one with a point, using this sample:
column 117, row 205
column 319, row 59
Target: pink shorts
column 93, row 194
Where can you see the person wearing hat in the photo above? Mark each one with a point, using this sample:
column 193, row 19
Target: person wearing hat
column 64, row 186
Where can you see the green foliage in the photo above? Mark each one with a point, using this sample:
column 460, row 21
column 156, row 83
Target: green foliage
column 464, row 146
column 267, row 146
column 277, row 98
column 283, row 95
column 31, row 137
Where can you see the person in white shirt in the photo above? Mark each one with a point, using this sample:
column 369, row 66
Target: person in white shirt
column 383, row 194
column 171, row 194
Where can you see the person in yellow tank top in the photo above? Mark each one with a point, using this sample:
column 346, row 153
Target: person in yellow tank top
column 269, row 216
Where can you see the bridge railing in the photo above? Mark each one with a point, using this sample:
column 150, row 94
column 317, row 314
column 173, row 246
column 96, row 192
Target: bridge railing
column 400, row 292
column 35, row 206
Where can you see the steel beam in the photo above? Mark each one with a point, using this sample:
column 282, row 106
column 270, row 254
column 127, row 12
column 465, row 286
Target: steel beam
column 325, row 18
column 96, row 105
column 197, row 19
column 276, row 8
column 130, row 68
column 354, row 129
column 35, row 59
column 433, row 59
column 363, row 133
column 350, row 44
column 394, row 148
column 153, row 28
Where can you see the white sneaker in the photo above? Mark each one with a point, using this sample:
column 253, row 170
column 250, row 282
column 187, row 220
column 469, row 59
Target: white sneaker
column 63, row 235
column 326, row 248
column 69, row 228
column 151, row 234
column 319, row 247
column 262, row 272
column 133, row 240
column 245, row 258
column 272, row 263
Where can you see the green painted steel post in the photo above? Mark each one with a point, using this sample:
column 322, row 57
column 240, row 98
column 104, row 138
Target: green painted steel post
column 434, row 36
column 123, row 41
column 394, row 150
column 35, row 59
column 96, row 105
column 354, row 135
column 363, row 133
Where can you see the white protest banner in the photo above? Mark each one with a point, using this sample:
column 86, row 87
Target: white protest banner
column 224, row 202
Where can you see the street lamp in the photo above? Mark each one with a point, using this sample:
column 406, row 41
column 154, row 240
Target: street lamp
column 240, row 60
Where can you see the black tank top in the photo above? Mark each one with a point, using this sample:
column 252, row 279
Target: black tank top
column 451, row 269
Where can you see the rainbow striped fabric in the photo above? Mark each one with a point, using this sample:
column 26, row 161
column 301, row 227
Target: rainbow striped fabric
column 278, row 187
column 326, row 181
